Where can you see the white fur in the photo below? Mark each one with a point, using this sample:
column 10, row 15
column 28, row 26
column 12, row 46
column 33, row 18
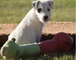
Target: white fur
column 44, row 12
column 30, row 28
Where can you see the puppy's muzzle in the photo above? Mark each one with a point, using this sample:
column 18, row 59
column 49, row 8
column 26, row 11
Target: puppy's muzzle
column 45, row 18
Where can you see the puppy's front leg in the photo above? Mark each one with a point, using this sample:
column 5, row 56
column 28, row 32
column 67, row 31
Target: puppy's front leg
column 38, row 38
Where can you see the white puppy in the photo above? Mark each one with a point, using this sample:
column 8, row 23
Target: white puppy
column 30, row 28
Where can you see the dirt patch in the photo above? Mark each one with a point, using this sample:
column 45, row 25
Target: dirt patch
column 50, row 27
column 49, row 30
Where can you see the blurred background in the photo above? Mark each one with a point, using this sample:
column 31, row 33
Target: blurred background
column 13, row 11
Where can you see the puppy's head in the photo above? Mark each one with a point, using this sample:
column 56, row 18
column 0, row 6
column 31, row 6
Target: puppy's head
column 43, row 9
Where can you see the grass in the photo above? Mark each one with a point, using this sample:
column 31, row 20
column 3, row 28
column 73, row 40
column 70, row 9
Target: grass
column 13, row 11
column 51, row 56
column 64, row 10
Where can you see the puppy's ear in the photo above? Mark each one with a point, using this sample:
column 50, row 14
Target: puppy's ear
column 35, row 4
column 50, row 3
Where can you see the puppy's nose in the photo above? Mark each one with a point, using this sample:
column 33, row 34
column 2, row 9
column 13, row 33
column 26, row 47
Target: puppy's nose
column 45, row 17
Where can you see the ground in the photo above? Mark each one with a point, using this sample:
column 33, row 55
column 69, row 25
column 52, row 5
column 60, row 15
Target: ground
column 50, row 27
column 49, row 30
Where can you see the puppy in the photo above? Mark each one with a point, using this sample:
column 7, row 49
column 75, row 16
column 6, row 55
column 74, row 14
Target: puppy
column 30, row 28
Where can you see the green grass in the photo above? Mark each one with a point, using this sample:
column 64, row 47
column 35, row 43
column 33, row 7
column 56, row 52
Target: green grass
column 51, row 56
column 64, row 10
column 13, row 11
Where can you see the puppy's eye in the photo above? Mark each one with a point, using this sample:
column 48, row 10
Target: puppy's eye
column 48, row 9
column 39, row 10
